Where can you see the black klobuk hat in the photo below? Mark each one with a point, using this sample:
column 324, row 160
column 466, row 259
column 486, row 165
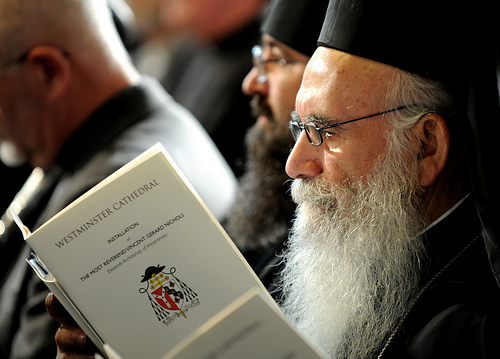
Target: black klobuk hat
column 296, row 23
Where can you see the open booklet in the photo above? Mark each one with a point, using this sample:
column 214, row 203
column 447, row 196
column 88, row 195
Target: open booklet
column 141, row 264
column 248, row 328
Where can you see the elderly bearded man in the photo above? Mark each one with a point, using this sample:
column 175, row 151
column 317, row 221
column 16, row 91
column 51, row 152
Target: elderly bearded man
column 386, row 258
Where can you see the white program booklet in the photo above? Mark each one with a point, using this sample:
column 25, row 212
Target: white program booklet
column 139, row 260
column 249, row 328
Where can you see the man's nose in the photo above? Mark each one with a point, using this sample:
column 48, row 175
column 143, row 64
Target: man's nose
column 304, row 160
column 251, row 86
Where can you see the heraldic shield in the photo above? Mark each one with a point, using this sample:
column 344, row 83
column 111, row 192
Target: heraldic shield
column 169, row 297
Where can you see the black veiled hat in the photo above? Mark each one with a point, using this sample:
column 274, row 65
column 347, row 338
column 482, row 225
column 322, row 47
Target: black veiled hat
column 296, row 23
column 455, row 42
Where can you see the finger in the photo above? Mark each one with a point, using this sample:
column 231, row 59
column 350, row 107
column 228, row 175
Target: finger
column 57, row 311
column 73, row 343
column 71, row 338
column 64, row 355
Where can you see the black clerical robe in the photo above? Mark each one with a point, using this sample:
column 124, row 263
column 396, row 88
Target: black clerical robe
column 458, row 315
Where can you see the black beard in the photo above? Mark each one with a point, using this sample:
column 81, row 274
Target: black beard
column 263, row 209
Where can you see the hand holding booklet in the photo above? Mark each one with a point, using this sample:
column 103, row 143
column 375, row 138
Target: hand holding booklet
column 142, row 265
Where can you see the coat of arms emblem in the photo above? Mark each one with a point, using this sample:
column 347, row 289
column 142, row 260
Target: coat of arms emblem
column 169, row 297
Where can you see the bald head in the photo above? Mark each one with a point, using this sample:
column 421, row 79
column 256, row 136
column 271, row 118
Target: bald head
column 83, row 26
column 62, row 59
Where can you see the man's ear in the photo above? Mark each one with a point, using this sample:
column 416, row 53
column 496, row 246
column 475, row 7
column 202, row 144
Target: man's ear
column 435, row 141
column 49, row 71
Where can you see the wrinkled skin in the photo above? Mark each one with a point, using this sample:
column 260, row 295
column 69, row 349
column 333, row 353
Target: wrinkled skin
column 72, row 342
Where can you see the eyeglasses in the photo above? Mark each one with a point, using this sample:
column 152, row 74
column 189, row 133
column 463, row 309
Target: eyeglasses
column 13, row 64
column 314, row 133
column 259, row 62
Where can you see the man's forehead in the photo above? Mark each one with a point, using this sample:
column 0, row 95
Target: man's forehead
column 269, row 42
column 348, row 83
column 332, row 63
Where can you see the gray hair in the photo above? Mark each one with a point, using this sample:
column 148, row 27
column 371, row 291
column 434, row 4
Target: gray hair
column 423, row 96
column 420, row 96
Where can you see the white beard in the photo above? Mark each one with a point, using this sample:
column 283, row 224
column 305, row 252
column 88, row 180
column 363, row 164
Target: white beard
column 354, row 258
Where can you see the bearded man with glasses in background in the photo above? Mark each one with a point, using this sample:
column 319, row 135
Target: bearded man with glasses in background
column 261, row 218
column 76, row 109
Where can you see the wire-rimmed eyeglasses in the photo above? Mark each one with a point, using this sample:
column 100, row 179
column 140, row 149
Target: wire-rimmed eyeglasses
column 13, row 64
column 259, row 62
column 314, row 133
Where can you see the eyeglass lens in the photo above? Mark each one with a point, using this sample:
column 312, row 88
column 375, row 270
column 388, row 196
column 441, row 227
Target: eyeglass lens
column 313, row 135
column 259, row 63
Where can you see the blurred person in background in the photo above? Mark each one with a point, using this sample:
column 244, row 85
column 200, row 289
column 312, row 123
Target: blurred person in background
column 261, row 218
column 13, row 170
column 198, row 49
column 75, row 108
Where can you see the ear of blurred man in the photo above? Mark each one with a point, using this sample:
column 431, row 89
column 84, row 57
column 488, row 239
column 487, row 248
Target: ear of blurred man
column 49, row 72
